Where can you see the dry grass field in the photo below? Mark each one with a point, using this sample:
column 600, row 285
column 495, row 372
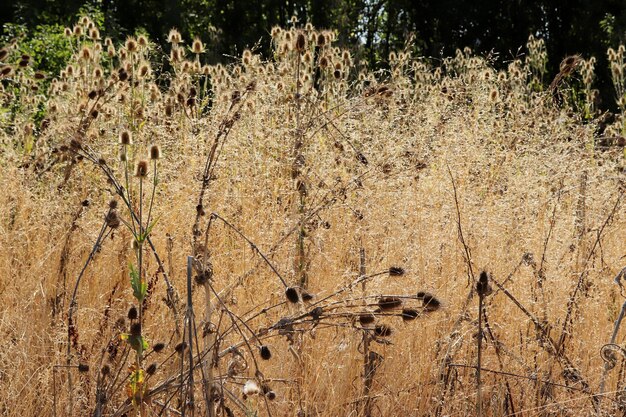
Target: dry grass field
column 361, row 242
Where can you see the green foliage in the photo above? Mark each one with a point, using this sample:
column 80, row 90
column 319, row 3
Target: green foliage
column 48, row 47
column 138, row 285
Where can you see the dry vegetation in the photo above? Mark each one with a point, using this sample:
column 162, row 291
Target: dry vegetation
column 338, row 220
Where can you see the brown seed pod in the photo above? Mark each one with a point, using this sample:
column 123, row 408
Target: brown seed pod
column 482, row 286
column 396, row 271
column 132, row 313
column 151, row 369
column 409, row 314
column 366, row 318
column 389, row 303
column 383, row 330
column 265, row 352
column 292, row 295
column 430, row 303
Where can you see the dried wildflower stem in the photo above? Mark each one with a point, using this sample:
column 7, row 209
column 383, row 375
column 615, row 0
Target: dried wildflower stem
column 452, row 347
column 479, row 405
column 368, row 372
column 530, row 378
column 548, row 344
column 71, row 325
column 254, row 247
column 189, row 329
column 607, row 366
column 581, row 278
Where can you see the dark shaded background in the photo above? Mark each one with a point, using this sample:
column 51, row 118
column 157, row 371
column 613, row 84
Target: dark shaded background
column 372, row 28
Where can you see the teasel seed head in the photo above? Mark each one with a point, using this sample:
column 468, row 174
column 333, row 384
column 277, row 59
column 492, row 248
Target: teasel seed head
column 383, row 330
column 366, row 318
column 155, row 152
column 197, row 47
column 180, row 347
column 409, row 314
column 83, row 367
column 105, row 370
column 389, row 303
column 141, row 170
column 429, row 302
column 396, row 271
column 126, row 138
column 132, row 313
column 151, row 369
column 300, row 42
column 482, row 286
column 265, row 352
column 112, row 219
column 292, row 295
column 135, row 329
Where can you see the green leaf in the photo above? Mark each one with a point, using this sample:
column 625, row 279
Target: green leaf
column 138, row 285
column 148, row 230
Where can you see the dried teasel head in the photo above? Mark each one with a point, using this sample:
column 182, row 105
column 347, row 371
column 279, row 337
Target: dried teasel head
column 409, row 314
column 396, row 271
column 482, row 286
column 389, row 303
column 429, row 301
column 141, row 169
column 155, row 152
column 265, row 352
column 126, row 138
column 292, row 294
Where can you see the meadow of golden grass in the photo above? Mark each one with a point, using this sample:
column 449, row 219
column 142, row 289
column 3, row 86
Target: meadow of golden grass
column 338, row 221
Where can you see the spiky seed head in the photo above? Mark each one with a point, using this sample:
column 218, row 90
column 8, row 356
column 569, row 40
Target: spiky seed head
column 132, row 313
column 396, row 271
column 158, row 347
column 174, row 37
column 430, row 303
column 155, row 152
column 383, row 330
column 265, row 352
column 151, row 369
column 126, row 137
column 300, row 42
column 389, row 303
column 292, row 295
column 142, row 41
column 321, row 40
column 482, row 286
column 105, row 370
column 144, row 70
column 131, row 45
column 135, row 329
column 112, row 219
column 366, row 318
column 141, row 170
column 409, row 314
column 83, row 367
column 180, row 348
column 197, row 46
